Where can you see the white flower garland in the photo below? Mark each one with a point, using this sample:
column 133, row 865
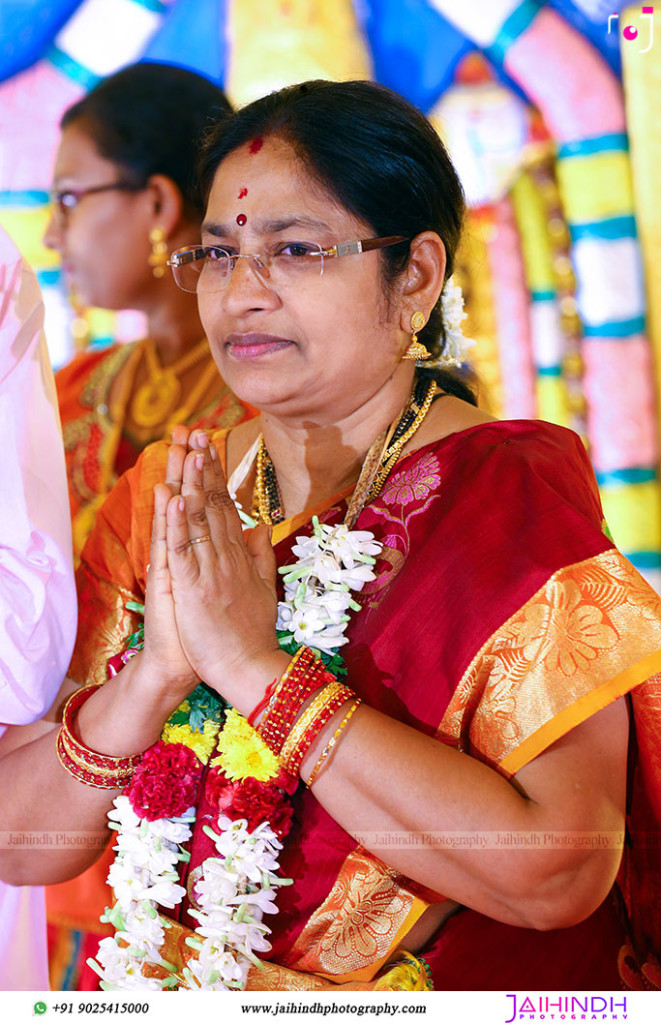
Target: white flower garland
column 237, row 887
column 452, row 308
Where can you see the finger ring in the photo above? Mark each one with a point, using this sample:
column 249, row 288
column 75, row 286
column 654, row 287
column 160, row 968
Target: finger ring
column 199, row 540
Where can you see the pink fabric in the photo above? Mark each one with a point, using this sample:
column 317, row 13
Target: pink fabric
column 37, row 592
column 581, row 97
column 23, row 959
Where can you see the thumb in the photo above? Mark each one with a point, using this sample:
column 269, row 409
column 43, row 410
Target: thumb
column 258, row 542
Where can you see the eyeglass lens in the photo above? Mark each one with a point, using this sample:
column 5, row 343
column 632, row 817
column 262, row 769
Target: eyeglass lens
column 208, row 268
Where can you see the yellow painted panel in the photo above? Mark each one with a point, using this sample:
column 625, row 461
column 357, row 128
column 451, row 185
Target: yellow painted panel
column 26, row 226
column 273, row 43
column 642, row 81
column 595, row 187
column 531, row 222
column 633, row 514
column 552, row 401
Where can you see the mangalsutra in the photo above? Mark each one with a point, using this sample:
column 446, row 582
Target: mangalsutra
column 381, row 457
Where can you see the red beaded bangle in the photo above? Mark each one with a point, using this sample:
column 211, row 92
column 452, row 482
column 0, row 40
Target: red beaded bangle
column 103, row 779
column 74, row 747
column 303, row 676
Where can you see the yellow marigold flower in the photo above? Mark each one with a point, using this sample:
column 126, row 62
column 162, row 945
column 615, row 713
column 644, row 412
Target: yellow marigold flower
column 202, row 743
column 243, row 753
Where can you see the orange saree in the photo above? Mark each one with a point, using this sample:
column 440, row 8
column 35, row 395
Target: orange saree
column 97, row 452
column 501, row 616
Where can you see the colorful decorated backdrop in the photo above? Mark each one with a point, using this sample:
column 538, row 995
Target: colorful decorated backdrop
column 552, row 112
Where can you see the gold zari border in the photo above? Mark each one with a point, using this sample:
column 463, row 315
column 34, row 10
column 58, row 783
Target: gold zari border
column 591, row 634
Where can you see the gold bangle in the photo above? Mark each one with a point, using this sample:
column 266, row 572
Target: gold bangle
column 83, row 774
column 311, row 712
column 331, row 743
column 105, row 773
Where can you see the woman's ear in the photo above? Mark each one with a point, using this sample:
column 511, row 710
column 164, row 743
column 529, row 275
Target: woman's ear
column 166, row 203
column 423, row 278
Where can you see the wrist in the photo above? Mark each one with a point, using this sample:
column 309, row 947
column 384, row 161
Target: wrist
column 127, row 714
column 244, row 687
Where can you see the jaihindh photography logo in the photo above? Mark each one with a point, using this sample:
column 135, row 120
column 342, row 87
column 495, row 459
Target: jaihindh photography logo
column 553, row 1007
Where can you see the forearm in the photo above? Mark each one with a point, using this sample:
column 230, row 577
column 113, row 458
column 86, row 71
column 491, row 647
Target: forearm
column 55, row 826
column 450, row 813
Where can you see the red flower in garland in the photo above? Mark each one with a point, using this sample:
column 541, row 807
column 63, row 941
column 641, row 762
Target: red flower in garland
column 166, row 781
column 251, row 799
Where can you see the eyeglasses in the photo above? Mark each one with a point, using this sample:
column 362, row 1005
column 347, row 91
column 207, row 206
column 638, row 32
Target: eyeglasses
column 66, row 200
column 207, row 268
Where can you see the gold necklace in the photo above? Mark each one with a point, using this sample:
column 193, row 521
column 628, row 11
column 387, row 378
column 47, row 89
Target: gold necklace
column 266, row 500
column 377, row 465
column 156, row 400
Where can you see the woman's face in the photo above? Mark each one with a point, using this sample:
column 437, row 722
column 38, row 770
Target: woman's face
column 320, row 344
column 104, row 239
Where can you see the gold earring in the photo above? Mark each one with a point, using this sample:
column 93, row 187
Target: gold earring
column 159, row 251
column 416, row 350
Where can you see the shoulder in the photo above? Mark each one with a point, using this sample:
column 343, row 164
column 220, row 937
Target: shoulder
column 516, row 470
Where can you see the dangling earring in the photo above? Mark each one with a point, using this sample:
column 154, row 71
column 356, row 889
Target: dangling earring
column 159, row 251
column 416, row 350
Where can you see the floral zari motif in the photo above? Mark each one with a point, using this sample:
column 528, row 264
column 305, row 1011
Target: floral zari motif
column 364, row 917
column 595, row 620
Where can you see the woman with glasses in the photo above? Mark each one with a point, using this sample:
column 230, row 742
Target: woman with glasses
column 409, row 763
column 124, row 195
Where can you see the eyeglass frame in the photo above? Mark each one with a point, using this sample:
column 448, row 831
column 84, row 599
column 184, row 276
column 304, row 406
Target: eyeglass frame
column 340, row 249
column 56, row 196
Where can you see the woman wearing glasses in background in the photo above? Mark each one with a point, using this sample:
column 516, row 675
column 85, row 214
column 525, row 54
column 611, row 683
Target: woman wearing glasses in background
column 426, row 703
column 124, row 196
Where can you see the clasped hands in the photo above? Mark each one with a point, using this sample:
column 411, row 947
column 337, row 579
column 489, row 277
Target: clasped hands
column 210, row 603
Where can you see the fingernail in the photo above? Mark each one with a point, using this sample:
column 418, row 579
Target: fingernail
column 181, row 504
column 199, row 461
column 213, row 451
column 203, row 439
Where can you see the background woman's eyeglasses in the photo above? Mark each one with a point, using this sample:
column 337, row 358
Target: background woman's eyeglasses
column 207, row 268
column 65, row 200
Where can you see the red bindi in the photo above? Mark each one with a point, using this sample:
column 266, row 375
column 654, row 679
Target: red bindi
column 243, row 193
column 256, row 144
column 241, row 219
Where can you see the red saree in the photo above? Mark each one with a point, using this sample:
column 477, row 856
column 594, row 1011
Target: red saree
column 500, row 618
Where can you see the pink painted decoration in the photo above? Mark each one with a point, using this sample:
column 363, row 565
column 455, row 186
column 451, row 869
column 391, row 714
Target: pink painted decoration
column 620, row 374
column 512, row 307
column 582, row 97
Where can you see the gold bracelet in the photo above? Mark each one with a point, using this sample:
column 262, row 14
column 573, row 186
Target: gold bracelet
column 106, row 773
column 311, row 712
column 331, row 743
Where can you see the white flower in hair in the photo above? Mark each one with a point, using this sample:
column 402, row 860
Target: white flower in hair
column 452, row 308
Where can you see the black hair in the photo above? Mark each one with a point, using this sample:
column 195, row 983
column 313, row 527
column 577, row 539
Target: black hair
column 378, row 156
column 148, row 118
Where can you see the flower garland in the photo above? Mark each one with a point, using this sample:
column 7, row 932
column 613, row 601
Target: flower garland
column 245, row 784
column 453, row 314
